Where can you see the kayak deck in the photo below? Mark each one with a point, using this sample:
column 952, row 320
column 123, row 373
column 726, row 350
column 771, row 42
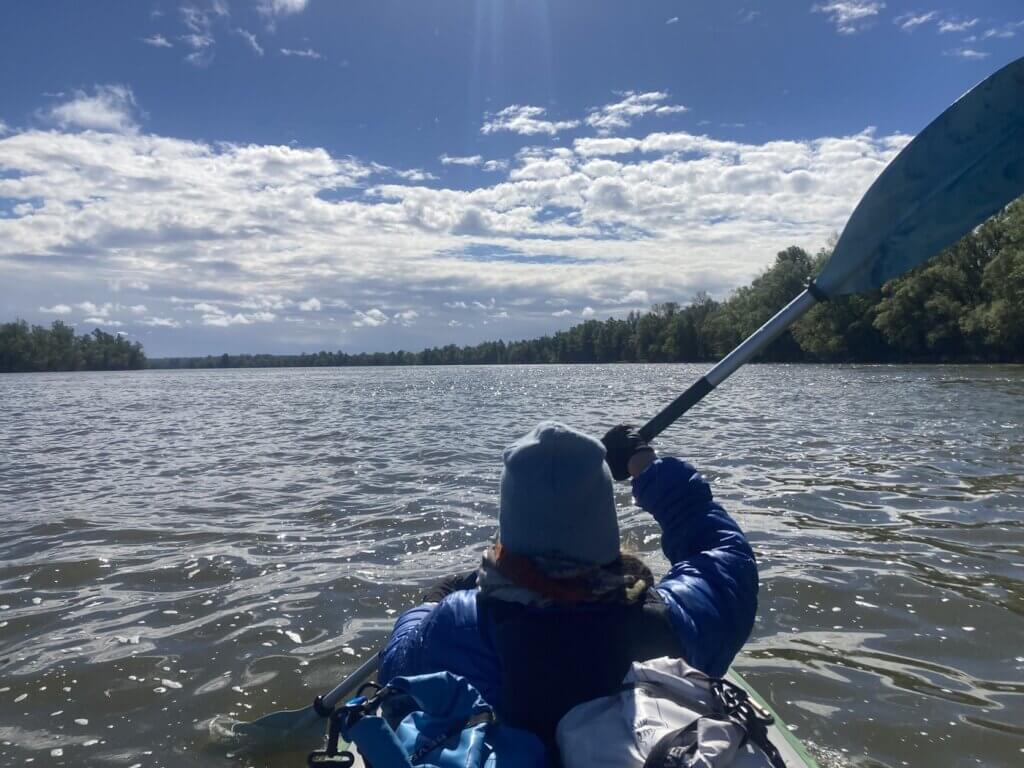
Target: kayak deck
column 793, row 752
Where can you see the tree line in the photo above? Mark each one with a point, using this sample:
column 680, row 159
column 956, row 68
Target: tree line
column 58, row 348
column 967, row 305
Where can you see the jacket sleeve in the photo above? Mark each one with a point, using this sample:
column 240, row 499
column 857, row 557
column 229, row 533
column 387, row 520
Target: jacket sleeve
column 711, row 589
column 434, row 637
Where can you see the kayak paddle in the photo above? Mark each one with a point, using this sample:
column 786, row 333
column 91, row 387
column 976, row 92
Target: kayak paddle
column 962, row 168
column 298, row 728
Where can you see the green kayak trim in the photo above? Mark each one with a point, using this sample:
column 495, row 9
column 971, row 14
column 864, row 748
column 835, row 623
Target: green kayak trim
column 780, row 730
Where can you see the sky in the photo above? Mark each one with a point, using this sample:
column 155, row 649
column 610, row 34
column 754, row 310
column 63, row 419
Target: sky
column 294, row 175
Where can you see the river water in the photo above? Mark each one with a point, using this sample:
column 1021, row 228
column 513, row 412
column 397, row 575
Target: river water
column 176, row 545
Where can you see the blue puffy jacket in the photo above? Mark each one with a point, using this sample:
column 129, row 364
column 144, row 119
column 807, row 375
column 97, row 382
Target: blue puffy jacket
column 711, row 591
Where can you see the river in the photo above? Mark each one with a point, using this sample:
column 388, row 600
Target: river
column 176, row 545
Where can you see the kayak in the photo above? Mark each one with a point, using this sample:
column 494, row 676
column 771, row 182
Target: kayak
column 793, row 753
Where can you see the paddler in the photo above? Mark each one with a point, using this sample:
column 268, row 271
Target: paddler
column 556, row 611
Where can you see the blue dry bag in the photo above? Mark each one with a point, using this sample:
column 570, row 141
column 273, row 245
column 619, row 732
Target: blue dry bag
column 440, row 721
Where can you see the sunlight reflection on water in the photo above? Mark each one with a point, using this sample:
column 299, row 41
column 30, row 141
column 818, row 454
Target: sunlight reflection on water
column 183, row 544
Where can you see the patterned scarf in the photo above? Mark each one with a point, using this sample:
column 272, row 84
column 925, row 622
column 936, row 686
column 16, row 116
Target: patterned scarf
column 545, row 581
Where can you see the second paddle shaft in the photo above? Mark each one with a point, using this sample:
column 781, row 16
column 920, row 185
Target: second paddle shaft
column 744, row 353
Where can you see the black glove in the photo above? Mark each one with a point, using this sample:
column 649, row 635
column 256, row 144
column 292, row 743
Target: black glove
column 449, row 584
column 623, row 443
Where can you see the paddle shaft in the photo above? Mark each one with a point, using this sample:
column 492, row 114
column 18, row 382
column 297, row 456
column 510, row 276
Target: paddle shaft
column 351, row 683
column 753, row 345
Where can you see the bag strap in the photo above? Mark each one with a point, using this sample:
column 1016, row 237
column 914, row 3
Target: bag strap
column 736, row 704
column 729, row 702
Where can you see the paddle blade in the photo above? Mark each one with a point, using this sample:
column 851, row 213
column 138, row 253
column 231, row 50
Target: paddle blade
column 279, row 731
column 963, row 168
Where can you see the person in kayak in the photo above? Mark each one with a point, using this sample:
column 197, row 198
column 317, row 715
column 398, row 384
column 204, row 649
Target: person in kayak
column 556, row 612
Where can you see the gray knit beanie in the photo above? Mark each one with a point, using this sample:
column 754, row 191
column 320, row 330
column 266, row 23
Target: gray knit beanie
column 557, row 497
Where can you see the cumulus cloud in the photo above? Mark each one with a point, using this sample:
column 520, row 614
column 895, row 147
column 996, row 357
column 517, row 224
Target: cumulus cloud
column 495, row 165
column 310, row 305
column 56, row 309
column 633, row 105
column 850, row 16
column 304, row 53
column 158, row 41
column 93, row 309
column 526, row 121
column 108, row 108
column 371, row 319
column 250, row 38
column 562, row 313
column 468, row 160
column 105, row 321
column 587, row 312
column 406, row 317
column 239, row 235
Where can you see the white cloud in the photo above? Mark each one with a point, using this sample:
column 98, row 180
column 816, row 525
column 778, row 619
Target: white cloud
column 92, row 309
column 281, row 7
column 224, row 320
column 138, row 309
column 158, row 41
column 525, row 120
column 119, row 283
column 469, row 160
column 250, row 38
column 850, row 16
column 370, row 319
column 310, row 305
column 233, row 231
column 957, row 25
column 908, row 21
column 587, row 312
column 968, row 53
column 199, row 36
column 4, row 129
column 562, row 313
column 633, row 105
column 1005, row 32
column 103, row 321
column 495, row 165
column 109, row 108
column 406, row 317
column 673, row 20
column 56, row 309
column 161, row 322
column 305, row 53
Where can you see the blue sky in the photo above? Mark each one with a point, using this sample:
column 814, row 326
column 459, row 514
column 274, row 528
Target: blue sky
column 288, row 175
